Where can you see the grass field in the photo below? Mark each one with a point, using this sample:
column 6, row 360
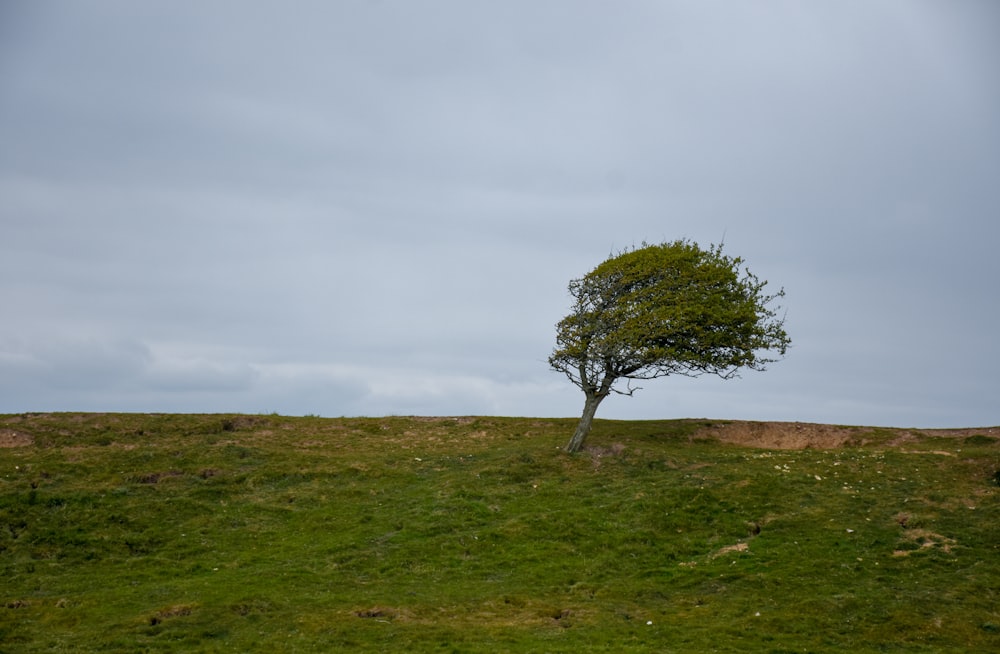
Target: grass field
column 235, row 533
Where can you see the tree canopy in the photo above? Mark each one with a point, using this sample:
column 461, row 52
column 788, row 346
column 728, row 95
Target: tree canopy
column 668, row 309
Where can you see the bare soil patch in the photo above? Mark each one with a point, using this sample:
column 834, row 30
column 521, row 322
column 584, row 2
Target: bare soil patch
column 12, row 438
column 805, row 435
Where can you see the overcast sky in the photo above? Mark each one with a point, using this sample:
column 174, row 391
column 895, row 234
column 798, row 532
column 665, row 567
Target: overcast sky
column 372, row 207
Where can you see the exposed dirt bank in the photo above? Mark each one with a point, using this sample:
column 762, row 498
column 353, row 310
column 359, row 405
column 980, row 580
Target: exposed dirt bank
column 11, row 438
column 802, row 435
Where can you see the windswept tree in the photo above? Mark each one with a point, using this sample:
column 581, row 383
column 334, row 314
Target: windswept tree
column 658, row 310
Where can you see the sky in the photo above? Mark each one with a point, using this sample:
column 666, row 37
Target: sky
column 374, row 207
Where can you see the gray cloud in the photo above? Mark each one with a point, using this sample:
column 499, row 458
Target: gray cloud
column 375, row 207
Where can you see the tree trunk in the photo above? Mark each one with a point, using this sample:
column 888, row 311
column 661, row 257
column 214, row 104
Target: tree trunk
column 586, row 420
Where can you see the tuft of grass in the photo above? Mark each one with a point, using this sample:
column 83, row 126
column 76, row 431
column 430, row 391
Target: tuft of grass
column 176, row 533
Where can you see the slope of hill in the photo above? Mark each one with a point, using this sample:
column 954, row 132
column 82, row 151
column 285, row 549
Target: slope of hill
column 127, row 532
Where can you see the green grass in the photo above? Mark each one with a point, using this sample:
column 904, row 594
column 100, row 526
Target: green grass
column 224, row 533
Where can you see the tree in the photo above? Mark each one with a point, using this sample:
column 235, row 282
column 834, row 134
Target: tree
column 658, row 310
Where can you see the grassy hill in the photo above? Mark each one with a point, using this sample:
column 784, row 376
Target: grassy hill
column 234, row 533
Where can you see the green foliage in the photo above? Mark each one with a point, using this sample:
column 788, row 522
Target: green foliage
column 660, row 310
column 126, row 533
column 666, row 309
